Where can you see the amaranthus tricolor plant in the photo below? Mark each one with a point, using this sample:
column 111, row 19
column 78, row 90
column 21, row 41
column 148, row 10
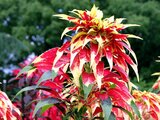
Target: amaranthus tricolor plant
column 156, row 85
column 7, row 110
column 148, row 104
column 92, row 80
column 25, row 104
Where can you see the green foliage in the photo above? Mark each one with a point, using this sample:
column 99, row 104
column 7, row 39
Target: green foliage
column 46, row 76
column 45, row 104
column 32, row 24
column 10, row 48
column 135, row 108
column 107, row 108
column 25, row 70
column 32, row 20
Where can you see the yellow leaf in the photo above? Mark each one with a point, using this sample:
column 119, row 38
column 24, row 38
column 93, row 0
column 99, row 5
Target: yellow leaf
column 99, row 14
column 110, row 19
column 91, row 31
column 119, row 20
column 67, row 17
column 66, row 30
column 77, row 36
column 130, row 25
column 134, row 66
column 100, row 42
column 58, row 56
column 77, row 12
column 76, row 74
column 131, row 85
column 30, row 72
column 79, row 106
column 62, row 16
column 133, row 36
column 38, row 59
column 157, row 73
column 93, row 11
column 86, row 40
column 77, row 44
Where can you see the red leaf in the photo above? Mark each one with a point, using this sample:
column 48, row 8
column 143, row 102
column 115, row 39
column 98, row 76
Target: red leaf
column 100, row 68
column 121, row 63
column 154, row 115
column 97, row 110
column 94, row 48
column 45, row 60
column 85, row 54
column 88, row 78
column 99, row 73
column 119, row 94
column 52, row 85
column 126, row 57
column 101, row 95
column 65, row 46
column 109, row 56
column 119, row 36
column 119, row 83
column 122, row 73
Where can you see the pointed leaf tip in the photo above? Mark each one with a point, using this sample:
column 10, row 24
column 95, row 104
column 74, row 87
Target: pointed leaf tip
column 135, row 109
column 134, row 36
column 25, row 70
column 43, row 103
column 46, row 76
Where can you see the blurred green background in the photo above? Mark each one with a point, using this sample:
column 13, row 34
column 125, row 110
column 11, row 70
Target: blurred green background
column 27, row 27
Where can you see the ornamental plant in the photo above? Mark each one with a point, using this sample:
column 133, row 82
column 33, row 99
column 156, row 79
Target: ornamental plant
column 7, row 110
column 92, row 70
column 24, row 103
column 156, row 86
column 148, row 104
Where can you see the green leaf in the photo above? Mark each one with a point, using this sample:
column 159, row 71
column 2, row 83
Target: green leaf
column 112, row 117
column 25, row 69
column 126, row 111
column 129, row 113
column 44, row 108
column 82, row 110
column 29, row 88
column 25, row 89
column 112, row 85
column 43, row 103
column 46, row 76
column 81, row 86
column 135, row 109
column 87, row 90
column 107, row 108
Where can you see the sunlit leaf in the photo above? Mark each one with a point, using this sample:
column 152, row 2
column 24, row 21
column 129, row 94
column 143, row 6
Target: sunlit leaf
column 130, row 25
column 66, row 30
column 46, row 107
column 133, row 36
column 25, row 70
column 46, row 76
